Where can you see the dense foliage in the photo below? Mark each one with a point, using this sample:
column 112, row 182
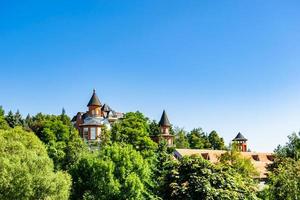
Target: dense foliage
column 284, row 181
column 133, row 129
column 291, row 149
column 198, row 139
column 3, row 123
column 26, row 171
column 41, row 154
column 196, row 178
column 115, row 172
column 236, row 161
column 181, row 140
column 284, row 176
column 60, row 137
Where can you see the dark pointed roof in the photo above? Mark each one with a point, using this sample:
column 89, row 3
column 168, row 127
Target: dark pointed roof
column 164, row 121
column 106, row 108
column 94, row 101
column 239, row 137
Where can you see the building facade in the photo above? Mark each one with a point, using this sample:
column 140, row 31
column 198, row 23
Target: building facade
column 91, row 123
column 260, row 160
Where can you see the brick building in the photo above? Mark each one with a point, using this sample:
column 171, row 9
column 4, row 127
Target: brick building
column 98, row 116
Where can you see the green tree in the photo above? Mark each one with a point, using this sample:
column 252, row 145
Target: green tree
column 26, row 171
column 284, row 177
column 181, row 140
column 2, row 112
column 27, row 122
column 3, row 124
column 198, row 139
column 18, row 119
column 105, row 137
column 62, row 140
column 164, row 155
column 216, row 141
column 116, row 172
column 154, row 128
column 291, row 149
column 195, row 178
column 240, row 164
column 10, row 118
column 133, row 129
column 14, row 120
column 284, row 181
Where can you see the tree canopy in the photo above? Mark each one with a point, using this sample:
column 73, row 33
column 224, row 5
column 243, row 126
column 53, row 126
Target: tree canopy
column 284, row 173
column 284, row 181
column 291, row 149
column 63, row 143
column 133, row 129
column 3, row 123
column 26, row 171
column 235, row 160
column 216, row 142
column 195, row 178
column 116, row 172
column 181, row 140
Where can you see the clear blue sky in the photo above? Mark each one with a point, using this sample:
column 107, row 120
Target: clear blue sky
column 225, row 65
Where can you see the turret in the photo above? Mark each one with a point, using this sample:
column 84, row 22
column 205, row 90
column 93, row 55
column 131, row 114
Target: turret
column 165, row 125
column 94, row 105
column 241, row 142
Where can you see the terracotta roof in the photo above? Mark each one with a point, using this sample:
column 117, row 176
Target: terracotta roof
column 94, row 101
column 239, row 137
column 259, row 160
column 164, row 121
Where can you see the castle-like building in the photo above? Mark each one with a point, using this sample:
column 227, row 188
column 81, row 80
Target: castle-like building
column 98, row 116
column 91, row 123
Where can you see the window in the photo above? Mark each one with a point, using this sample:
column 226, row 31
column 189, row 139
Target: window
column 270, row 157
column 255, row 157
column 205, row 156
column 93, row 133
column 86, row 133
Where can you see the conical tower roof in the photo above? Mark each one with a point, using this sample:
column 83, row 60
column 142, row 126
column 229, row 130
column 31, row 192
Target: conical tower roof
column 164, row 121
column 239, row 137
column 94, row 101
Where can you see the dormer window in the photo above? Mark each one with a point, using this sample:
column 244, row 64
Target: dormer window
column 255, row 157
column 270, row 157
column 205, row 156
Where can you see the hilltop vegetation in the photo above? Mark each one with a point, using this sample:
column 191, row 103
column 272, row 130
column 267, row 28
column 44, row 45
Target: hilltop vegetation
column 43, row 157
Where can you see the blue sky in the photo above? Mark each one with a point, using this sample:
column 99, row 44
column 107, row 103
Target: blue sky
column 225, row 65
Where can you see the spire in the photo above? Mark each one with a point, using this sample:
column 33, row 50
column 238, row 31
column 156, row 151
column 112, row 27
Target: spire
column 94, row 101
column 239, row 137
column 164, row 121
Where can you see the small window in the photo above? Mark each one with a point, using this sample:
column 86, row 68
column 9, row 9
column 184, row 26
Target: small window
column 93, row 133
column 205, row 156
column 270, row 157
column 255, row 157
column 86, row 133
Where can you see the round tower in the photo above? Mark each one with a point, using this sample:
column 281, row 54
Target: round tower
column 241, row 142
